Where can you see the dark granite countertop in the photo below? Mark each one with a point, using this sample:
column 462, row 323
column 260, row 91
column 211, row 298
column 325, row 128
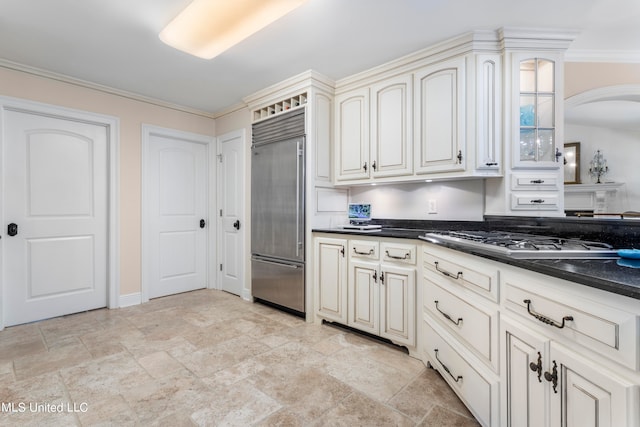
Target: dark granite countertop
column 606, row 274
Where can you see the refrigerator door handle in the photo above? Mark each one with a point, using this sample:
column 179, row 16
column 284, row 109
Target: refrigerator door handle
column 292, row 266
column 299, row 196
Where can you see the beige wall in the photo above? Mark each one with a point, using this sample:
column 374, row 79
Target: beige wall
column 582, row 76
column 131, row 114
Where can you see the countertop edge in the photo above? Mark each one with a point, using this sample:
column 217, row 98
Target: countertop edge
column 615, row 287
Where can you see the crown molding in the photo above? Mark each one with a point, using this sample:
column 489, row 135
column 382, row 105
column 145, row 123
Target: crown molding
column 614, row 56
column 38, row 72
column 290, row 86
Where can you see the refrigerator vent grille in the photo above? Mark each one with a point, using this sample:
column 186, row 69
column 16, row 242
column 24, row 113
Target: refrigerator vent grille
column 285, row 126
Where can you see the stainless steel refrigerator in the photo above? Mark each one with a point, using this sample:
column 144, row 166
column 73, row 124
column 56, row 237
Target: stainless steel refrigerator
column 277, row 211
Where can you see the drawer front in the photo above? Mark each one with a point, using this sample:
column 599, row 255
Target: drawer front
column 398, row 252
column 611, row 332
column 534, row 201
column 477, row 391
column 364, row 249
column 535, row 182
column 463, row 270
column 476, row 327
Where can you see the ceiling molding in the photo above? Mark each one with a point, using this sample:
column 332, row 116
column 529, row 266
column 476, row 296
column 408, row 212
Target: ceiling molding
column 620, row 56
column 38, row 72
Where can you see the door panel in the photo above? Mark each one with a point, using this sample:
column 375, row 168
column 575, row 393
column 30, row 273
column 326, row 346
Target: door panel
column 231, row 149
column 175, row 202
column 56, row 192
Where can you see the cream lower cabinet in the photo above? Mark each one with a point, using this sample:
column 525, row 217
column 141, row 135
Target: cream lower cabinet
column 382, row 289
column 373, row 289
column 525, row 349
column 330, row 275
column 547, row 384
column 571, row 355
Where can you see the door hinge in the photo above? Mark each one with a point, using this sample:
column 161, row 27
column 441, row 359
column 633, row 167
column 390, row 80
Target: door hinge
column 220, row 212
column 220, row 267
column 219, row 156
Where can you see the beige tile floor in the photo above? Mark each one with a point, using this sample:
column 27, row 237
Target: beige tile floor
column 209, row 358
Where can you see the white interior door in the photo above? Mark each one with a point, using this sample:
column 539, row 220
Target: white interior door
column 175, row 220
column 56, row 194
column 231, row 226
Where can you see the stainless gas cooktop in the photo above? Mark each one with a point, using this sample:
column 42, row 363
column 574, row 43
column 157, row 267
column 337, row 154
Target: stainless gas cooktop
column 524, row 246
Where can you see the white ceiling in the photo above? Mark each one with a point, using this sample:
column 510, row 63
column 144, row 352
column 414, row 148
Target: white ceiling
column 115, row 42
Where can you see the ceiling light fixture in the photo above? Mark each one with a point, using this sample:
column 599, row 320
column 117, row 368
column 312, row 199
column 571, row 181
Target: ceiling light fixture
column 206, row 28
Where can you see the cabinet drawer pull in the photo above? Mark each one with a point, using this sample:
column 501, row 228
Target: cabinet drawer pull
column 491, row 164
column 537, row 181
column 446, row 273
column 455, row 378
column 446, row 316
column 537, row 201
column 371, row 252
column 546, row 320
column 406, row 256
column 537, row 367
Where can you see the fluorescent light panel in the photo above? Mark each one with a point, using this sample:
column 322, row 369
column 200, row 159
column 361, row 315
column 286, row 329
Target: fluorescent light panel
column 206, row 28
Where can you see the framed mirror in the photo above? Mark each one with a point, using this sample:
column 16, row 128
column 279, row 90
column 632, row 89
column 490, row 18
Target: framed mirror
column 572, row 163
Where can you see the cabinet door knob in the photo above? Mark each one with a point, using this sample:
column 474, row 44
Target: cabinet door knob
column 364, row 166
column 552, row 377
column 537, row 367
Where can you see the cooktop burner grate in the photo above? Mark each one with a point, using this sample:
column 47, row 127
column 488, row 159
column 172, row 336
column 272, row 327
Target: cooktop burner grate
column 522, row 245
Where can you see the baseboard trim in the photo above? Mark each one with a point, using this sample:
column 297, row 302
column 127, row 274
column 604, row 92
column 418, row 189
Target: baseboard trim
column 130, row 299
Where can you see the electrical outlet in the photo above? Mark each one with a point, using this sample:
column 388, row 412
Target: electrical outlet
column 433, row 207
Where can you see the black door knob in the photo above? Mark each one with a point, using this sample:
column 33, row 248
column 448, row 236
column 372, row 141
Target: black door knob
column 12, row 229
column 236, row 224
column 202, row 223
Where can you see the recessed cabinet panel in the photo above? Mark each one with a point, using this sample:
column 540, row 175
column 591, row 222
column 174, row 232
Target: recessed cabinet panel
column 352, row 135
column 439, row 117
column 488, row 112
column 391, row 130
column 331, row 278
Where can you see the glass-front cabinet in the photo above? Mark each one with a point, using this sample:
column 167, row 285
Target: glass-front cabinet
column 537, row 112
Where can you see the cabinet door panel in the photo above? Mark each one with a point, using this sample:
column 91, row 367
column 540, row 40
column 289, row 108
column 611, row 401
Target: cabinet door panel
column 331, row 278
column 352, row 135
column 525, row 402
column 397, row 304
column 588, row 394
column 439, row 112
column 391, row 131
column 364, row 296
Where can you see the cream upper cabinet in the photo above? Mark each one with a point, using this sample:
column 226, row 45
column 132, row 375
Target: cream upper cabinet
column 373, row 131
column 391, row 131
column 536, row 102
column 439, row 94
column 352, row 135
column 488, row 109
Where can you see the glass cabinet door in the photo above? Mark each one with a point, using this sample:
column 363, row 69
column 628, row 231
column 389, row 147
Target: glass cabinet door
column 537, row 111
